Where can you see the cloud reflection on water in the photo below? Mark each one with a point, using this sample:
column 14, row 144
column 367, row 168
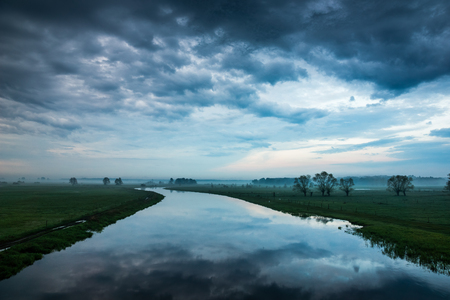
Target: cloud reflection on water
column 171, row 272
column 192, row 246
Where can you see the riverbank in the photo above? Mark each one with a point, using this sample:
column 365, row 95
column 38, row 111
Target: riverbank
column 415, row 227
column 96, row 206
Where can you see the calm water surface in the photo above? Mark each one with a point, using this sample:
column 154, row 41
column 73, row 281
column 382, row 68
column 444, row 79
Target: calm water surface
column 200, row 246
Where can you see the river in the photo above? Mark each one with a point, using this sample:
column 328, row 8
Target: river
column 201, row 246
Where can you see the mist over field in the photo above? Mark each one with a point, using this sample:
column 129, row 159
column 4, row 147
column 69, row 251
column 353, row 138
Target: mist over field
column 235, row 90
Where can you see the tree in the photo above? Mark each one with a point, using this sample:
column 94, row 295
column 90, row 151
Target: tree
column 171, row 181
column 346, row 185
column 325, row 182
column 447, row 184
column 407, row 185
column 118, row 181
column 302, row 183
column 106, row 181
column 400, row 183
column 181, row 181
column 73, row 181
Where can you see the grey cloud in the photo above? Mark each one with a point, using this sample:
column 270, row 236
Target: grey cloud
column 378, row 35
column 377, row 143
column 182, row 83
column 50, row 51
column 431, row 152
column 443, row 132
column 16, row 118
column 395, row 45
column 286, row 113
column 279, row 72
column 271, row 72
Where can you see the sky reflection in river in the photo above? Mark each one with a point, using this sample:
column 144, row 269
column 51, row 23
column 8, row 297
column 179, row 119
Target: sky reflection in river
column 199, row 246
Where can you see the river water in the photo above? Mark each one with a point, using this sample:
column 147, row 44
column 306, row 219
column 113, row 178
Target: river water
column 201, row 246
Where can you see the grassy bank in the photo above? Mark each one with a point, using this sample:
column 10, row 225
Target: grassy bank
column 25, row 206
column 415, row 227
column 31, row 208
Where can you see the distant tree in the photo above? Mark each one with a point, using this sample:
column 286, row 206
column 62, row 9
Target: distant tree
column 118, row 181
column 180, row 181
column 42, row 178
column 171, row 181
column 302, row 184
column 106, row 181
column 407, row 185
column 400, row 183
column 447, row 184
column 346, row 185
column 331, row 183
column 73, row 181
column 325, row 182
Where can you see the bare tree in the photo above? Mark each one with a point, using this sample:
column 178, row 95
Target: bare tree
column 346, row 185
column 302, row 184
column 325, row 182
column 73, row 181
column 400, row 183
column 106, row 181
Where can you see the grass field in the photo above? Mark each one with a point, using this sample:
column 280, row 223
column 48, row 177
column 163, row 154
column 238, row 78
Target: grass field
column 415, row 227
column 27, row 210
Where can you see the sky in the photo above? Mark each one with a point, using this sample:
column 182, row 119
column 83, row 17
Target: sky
column 224, row 89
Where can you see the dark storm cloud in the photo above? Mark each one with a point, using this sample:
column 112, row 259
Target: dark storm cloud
column 390, row 43
column 174, row 55
column 272, row 72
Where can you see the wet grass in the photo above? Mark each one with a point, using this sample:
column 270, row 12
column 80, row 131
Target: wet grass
column 100, row 206
column 25, row 209
column 415, row 227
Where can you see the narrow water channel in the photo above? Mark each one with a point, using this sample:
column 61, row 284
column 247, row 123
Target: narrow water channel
column 200, row 246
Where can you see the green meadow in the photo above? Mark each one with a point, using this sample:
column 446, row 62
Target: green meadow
column 25, row 209
column 33, row 211
column 415, row 227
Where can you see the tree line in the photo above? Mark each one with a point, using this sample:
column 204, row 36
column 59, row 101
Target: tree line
column 326, row 183
column 379, row 180
column 181, row 181
column 323, row 182
column 106, row 181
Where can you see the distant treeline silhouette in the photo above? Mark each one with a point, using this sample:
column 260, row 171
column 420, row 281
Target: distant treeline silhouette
column 361, row 181
column 274, row 181
column 185, row 181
